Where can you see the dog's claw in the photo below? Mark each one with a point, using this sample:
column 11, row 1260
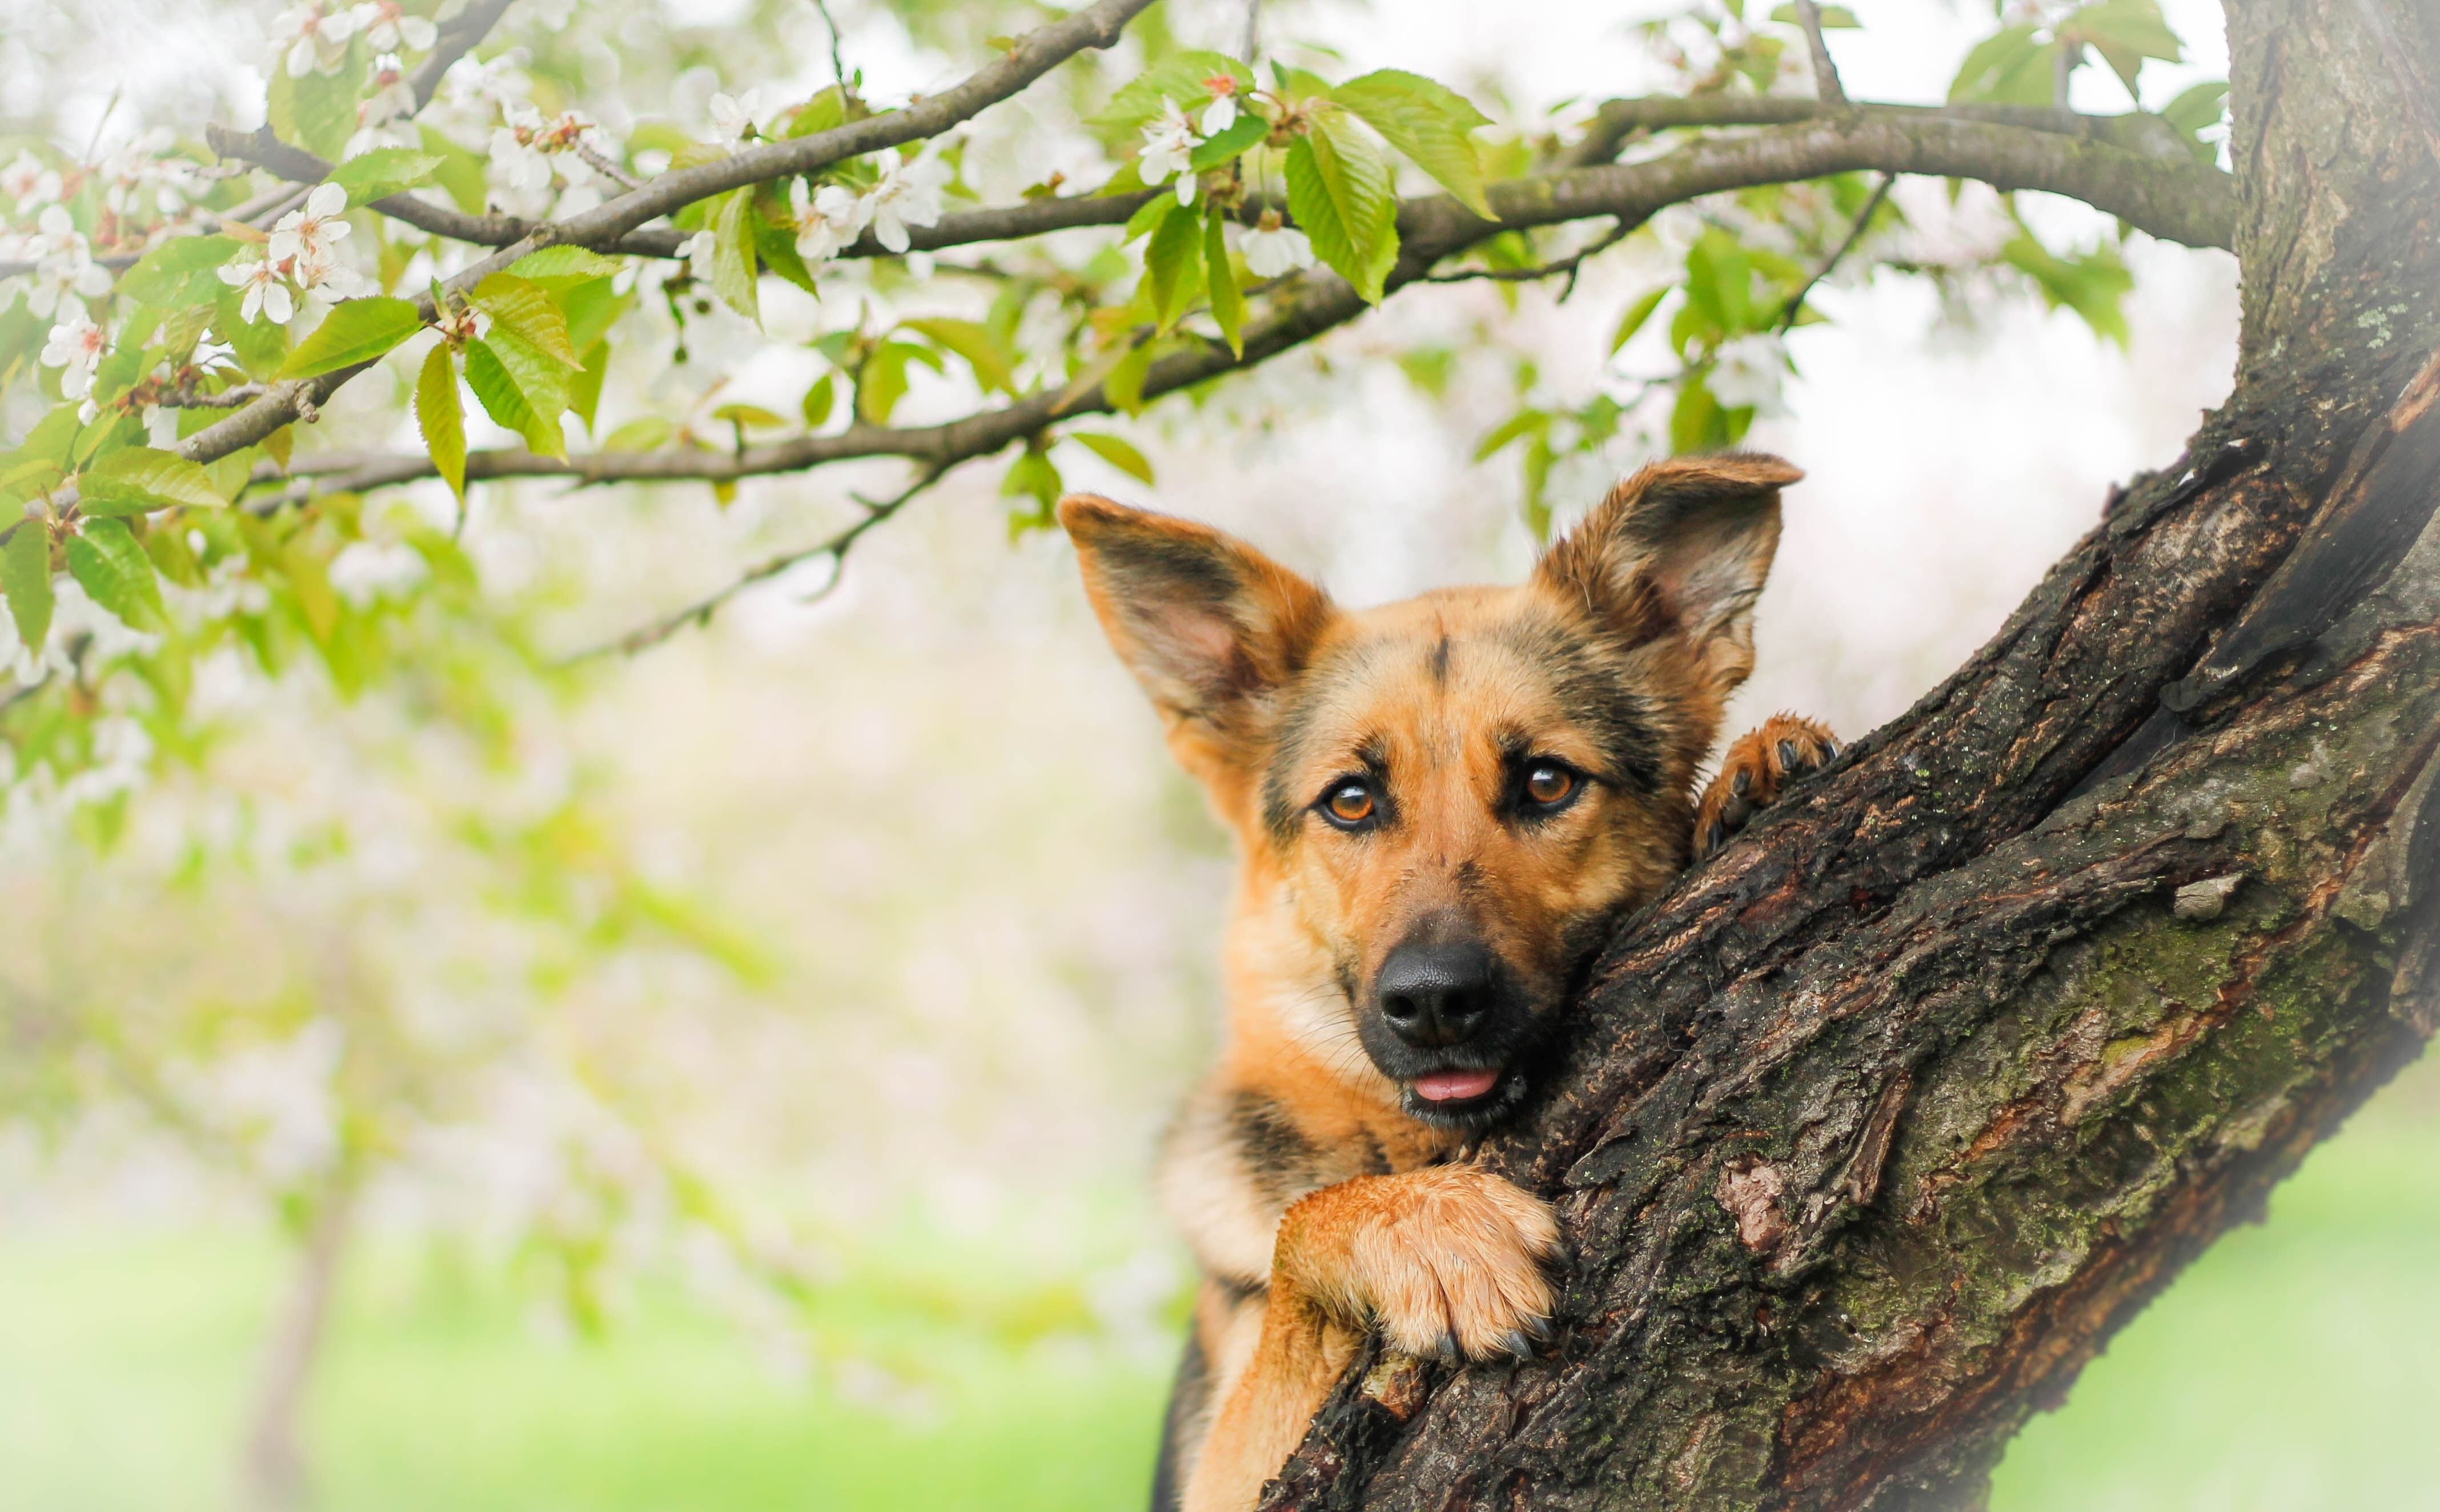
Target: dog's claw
column 1787, row 759
column 1516, row 1347
column 1744, row 781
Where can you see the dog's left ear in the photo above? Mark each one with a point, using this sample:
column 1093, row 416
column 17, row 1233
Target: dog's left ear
column 1209, row 625
column 1681, row 548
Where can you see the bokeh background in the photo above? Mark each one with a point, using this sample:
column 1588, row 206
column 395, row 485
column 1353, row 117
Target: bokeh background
column 742, row 1096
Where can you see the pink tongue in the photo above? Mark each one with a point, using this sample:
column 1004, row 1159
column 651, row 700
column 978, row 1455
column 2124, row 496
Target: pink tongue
column 1455, row 1086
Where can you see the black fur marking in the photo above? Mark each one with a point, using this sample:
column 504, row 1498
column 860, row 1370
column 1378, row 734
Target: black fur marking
column 1439, row 663
column 1189, row 1394
column 1278, row 1157
column 1156, row 563
column 1593, row 696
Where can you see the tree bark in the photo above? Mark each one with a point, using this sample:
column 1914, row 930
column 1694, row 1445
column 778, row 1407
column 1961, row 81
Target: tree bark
column 277, row 1476
column 1878, row 1127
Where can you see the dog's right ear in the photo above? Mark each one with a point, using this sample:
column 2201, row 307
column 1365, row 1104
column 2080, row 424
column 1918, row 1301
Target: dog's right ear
column 1209, row 626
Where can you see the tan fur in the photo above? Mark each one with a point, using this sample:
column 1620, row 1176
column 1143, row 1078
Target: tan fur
column 1319, row 1202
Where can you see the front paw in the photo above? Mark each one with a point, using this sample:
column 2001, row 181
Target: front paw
column 1449, row 1261
column 1753, row 772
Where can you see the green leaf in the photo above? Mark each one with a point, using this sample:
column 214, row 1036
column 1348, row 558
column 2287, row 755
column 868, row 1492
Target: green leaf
column 564, row 266
column 1523, row 424
column 994, row 364
column 1148, row 217
column 820, row 114
column 317, row 112
column 1637, row 314
column 1697, row 423
column 584, row 389
column 356, row 331
column 385, row 171
column 260, row 346
column 1246, row 132
column 775, row 237
column 2008, row 68
column 103, row 557
column 1834, row 18
column 1177, row 77
column 732, row 255
column 2094, row 285
column 1115, row 451
column 591, row 308
column 1428, row 122
column 517, row 306
column 495, row 377
column 309, row 579
column 441, row 415
column 818, row 401
column 1173, row 262
column 180, row 273
column 1339, row 192
column 1220, row 276
column 137, row 480
column 1124, row 384
column 1032, row 475
column 750, row 417
column 2196, row 111
column 642, row 434
column 882, row 381
column 2124, row 32
column 25, row 578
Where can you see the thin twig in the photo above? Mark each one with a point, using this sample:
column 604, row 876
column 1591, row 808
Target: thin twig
column 839, row 65
column 1571, row 265
column 607, row 169
column 1854, row 234
column 1826, row 73
column 459, row 36
column 836, row 547
column 227, row 399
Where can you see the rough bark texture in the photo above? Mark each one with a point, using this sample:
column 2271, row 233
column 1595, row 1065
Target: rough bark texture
column 1878, row 1127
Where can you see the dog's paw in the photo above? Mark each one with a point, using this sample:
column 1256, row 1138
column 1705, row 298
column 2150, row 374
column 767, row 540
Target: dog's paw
column 1752, row 774
column 1449, row 1261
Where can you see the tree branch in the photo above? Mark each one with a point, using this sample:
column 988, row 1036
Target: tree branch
column 1034, row 54
column 1826, row 73
column 1620, row 120
column 459, row 35
column 1829, row 264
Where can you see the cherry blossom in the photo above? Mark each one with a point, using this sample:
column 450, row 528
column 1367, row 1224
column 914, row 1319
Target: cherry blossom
column 1168, row 142
column 391, row 29
column 28, row 183
column 907, row 195
column 736, row 116
column 316, row 42
column 307, row 235
column 380, row 120
column 63, row 265
column 828, row 219
column 699, row 251
column 266, row 290
column 1222, row 112
column 75, row 348
column 1273, row 249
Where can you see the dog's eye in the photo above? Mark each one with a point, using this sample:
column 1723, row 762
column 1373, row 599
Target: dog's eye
column 1548, row 784
column 1350, row 803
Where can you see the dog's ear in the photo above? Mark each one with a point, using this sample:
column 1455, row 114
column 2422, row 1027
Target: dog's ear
column 1209, row 625
column 1681, row 548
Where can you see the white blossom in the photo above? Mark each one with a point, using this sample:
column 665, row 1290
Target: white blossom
column 380, row 120
column 734, row 115
column 828, row 219
column 1168, row 142
column 75, row 348
column 907, row 195
column 63, row 265
column 326, row 280
column 27, row 182
column 266, row 290
column 307, row 235
column 391, row 29
column 699, row 251
column 316, row 42
column 1222, row 112
column 1273, row 249
column 1747, row 374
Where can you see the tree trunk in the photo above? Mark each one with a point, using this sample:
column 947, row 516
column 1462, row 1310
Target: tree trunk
column 1878, row 1127
column 277, row 1478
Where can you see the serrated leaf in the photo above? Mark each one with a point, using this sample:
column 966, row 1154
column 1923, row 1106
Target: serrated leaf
column 25, row 579
column 1637, row 314
column 1147, row 218
column 385, row 171
column 495, row 380
column 584, row 389
column 564, row 265
column 441, row 417
column 1173, row 262
column 115, row 572
column 994, row 364
column 1339, row 192
column 180, row 273
column 1220, row 276
column 1178, row 77
column 524, row 308
column 1428, row 122
column 732, row 255
column 1243, row 134
column 1116, row 452
column 355, row 331
column 591, row 308
column 137, row 480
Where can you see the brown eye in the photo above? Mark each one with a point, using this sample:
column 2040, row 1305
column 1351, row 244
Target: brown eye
column 1349, row 804
column 1549, row 784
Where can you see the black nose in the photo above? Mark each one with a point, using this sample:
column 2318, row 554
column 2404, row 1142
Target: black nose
column 1435, row 994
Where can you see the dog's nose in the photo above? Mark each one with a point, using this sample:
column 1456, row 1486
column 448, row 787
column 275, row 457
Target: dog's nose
column 1435, row 994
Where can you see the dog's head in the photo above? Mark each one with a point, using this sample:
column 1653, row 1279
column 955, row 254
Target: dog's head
column 1439, row 803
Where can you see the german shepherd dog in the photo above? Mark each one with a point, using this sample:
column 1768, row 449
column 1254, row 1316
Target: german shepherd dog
column 1439, row 805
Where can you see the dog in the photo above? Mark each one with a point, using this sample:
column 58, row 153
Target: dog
column 1439, row 807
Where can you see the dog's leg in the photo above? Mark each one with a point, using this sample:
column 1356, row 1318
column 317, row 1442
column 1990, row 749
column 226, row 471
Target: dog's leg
column 1447, row 1261
column 1754, row 770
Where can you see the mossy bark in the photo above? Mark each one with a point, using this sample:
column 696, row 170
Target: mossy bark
column 1878, row 1127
